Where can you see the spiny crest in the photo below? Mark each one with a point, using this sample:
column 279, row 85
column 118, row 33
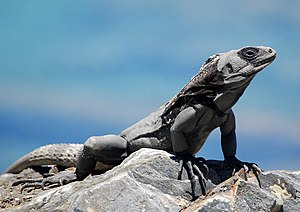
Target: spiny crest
column 207, row 70
column 193, row 92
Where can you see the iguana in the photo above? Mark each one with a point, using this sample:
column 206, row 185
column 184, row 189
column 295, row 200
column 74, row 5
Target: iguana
column 182, row 125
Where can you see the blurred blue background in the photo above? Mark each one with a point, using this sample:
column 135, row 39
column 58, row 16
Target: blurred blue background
column 73, row 69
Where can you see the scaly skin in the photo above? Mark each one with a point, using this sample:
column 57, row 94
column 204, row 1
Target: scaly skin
column 182, row 125
column 65, row 155
column 53, row 154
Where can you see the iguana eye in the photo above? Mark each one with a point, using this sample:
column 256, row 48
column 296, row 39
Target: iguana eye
column 248, row 53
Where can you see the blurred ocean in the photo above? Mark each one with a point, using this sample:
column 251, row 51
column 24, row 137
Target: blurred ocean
column 72, row 69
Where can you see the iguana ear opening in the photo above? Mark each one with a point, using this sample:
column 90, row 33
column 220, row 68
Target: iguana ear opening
column 227, row 69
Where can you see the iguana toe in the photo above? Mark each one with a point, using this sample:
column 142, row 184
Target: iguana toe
column 194, row 167
column 233, row 163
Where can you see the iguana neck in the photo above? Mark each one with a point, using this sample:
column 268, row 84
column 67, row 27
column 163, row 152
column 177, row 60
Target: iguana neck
column 224, row 101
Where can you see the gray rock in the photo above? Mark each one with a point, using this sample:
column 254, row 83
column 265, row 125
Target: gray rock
column 147, row 181
column 279, row 192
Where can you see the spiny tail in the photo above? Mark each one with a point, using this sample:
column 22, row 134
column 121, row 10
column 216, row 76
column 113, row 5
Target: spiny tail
column 53, row 154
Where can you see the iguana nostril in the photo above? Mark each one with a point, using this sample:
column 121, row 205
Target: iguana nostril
column 270, row 50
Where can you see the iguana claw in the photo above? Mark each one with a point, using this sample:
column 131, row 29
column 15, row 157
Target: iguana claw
column 61, row 178
column 193, row 166
column 256, row 170
column 235, row 164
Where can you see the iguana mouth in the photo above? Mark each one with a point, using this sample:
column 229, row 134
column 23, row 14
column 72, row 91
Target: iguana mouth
column 263, row 62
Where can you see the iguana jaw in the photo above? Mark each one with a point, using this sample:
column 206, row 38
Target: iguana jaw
column 259, row 65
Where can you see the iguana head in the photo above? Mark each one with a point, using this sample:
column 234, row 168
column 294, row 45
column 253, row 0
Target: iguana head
column 222, row 79
column 240, row 66
column 233, row 72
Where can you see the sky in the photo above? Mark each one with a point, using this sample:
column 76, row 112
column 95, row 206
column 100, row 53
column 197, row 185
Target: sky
column 73, row 69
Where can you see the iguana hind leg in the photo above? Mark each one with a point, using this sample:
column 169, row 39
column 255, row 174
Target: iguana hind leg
column 108, row 149
column 61, row 178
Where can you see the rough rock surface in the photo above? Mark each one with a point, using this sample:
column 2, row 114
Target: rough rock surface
column 147, row 181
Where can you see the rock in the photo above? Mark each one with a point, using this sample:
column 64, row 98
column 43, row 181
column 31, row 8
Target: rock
column 11, row 196
column 279, row 192
column 147, row 181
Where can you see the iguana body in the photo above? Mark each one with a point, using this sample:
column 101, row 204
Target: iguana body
column 181, row 125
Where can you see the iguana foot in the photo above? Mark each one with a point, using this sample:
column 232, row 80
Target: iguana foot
column 194, row 167
column 235, row 164
column 59, row 179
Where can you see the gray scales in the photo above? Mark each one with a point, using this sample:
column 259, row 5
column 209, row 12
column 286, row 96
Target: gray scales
column 182, row 125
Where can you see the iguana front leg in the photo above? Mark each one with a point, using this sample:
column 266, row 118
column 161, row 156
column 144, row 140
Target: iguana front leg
column 228, row 143
column 185, row 122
